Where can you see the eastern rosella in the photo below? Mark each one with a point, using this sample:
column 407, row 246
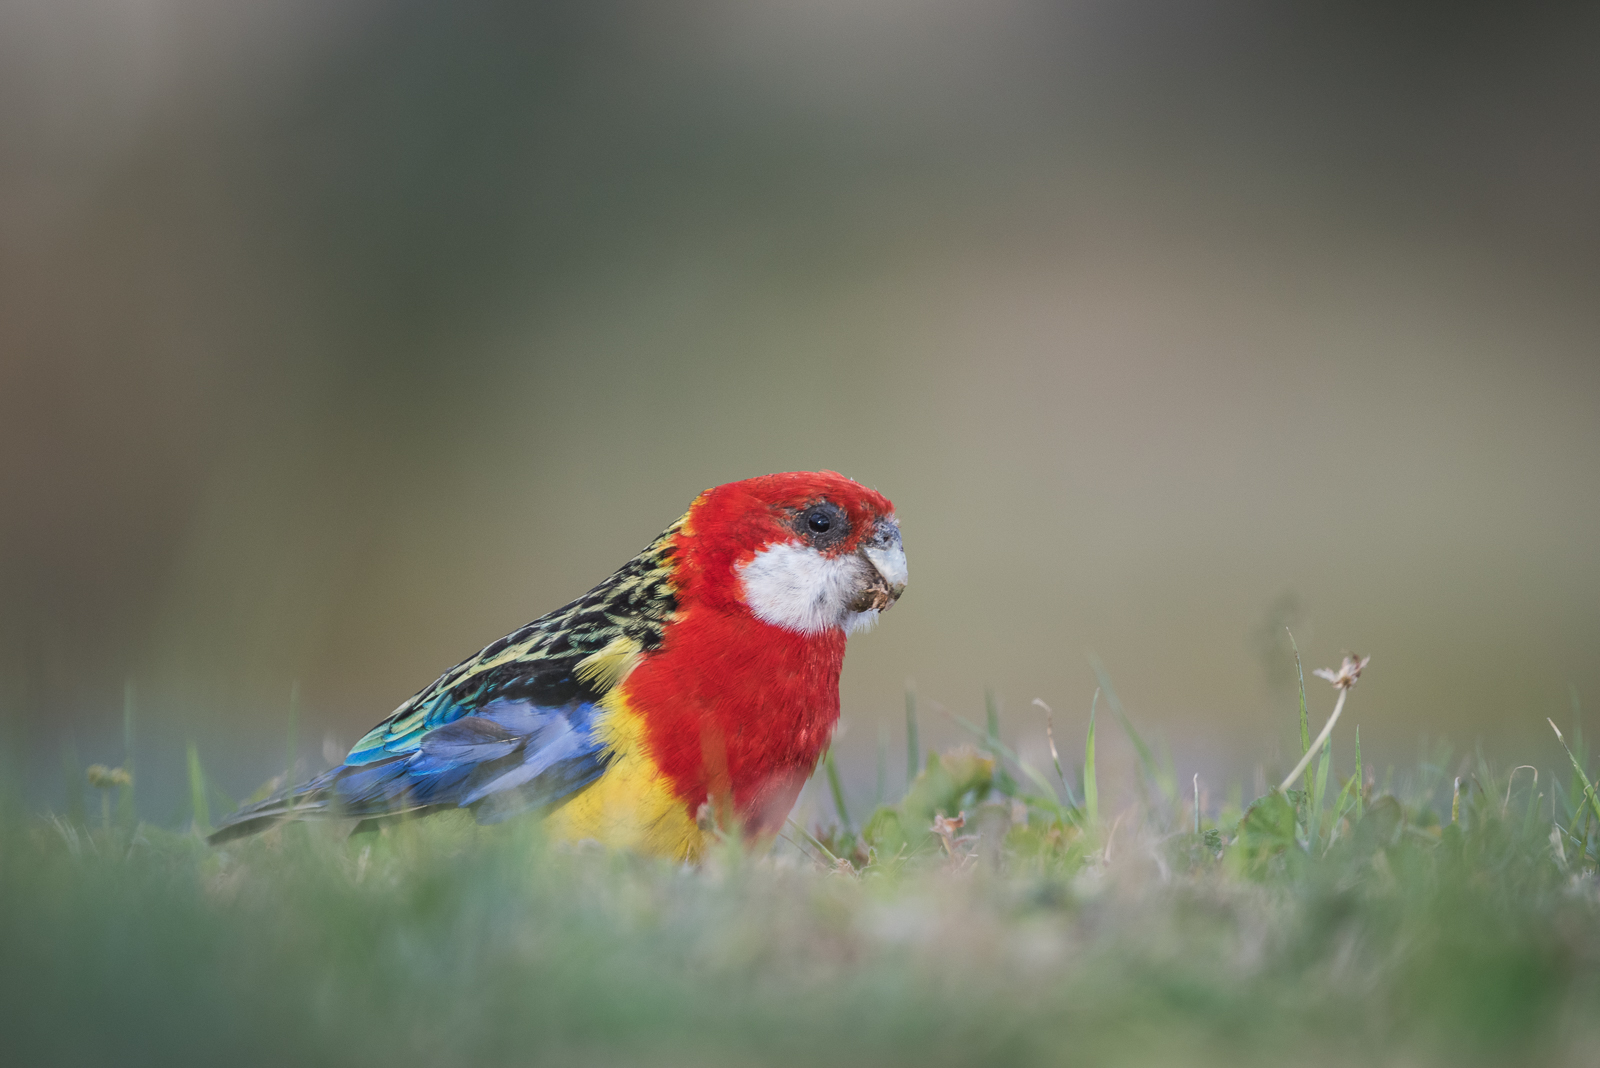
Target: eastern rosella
column 698, row 684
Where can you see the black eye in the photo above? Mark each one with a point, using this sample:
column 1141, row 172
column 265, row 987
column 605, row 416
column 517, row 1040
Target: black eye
column 823, row 524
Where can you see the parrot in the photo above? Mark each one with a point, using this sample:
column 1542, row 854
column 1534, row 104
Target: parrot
column 690, row 694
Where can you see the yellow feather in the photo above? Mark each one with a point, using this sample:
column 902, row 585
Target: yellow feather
column 604, row 669
column 630, row 806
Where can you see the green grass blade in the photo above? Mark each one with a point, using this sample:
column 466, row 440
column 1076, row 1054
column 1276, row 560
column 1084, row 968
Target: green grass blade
column 1003, row 782
column 219, row 794
column 1300, row 672
column 1361, row 781
column 1577, row 769
column 913, row 746
column 1341, row 805
column 1148, row 766
column 991, row 741
column 1044, row 784
column 126, row 813
column 1531, row 812
column 1578, row 750
column 1314, row 803
column 1091, row 788
column 1055, row 757
column 811, row 840
column 1197, row 803
column 882, row 790
column 198, row 806
column 72, row 772
column 1511, row 781
column 1578, row 745
column 1349, row 795
column 291, row 755
column 836, row 789
column 1049, row 803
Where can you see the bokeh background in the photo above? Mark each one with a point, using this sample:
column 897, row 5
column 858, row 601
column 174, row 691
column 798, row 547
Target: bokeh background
column 339, row 337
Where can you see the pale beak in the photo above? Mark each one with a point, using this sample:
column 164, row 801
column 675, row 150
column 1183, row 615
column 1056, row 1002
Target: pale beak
column 888, row 558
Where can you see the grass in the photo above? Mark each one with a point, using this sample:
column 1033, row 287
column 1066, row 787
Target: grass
column 1324, row 926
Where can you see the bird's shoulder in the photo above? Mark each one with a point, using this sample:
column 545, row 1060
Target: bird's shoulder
column 575, row 653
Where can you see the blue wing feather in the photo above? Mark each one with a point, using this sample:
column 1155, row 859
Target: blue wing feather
column 507, row 757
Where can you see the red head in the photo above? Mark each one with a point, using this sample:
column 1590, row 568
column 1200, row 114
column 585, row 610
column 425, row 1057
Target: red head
column 770, row 574
column 808, row 551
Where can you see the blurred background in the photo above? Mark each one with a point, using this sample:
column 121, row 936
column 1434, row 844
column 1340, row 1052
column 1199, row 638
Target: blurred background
column 339, row 337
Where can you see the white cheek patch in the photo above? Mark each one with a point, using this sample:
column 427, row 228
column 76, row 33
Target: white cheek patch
column 800, row 589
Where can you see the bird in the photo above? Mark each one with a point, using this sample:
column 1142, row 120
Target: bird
column 689, row 695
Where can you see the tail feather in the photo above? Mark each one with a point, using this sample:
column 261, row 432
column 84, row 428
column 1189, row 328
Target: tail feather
column 344, row 792
column 511, row 757
column 301, row 803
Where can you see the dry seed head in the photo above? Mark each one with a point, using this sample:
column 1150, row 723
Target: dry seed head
column 104, row 778
column 1349, row 672
column 946, row 827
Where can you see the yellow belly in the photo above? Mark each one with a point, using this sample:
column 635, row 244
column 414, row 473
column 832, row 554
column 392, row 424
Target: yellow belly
column 630, row 806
